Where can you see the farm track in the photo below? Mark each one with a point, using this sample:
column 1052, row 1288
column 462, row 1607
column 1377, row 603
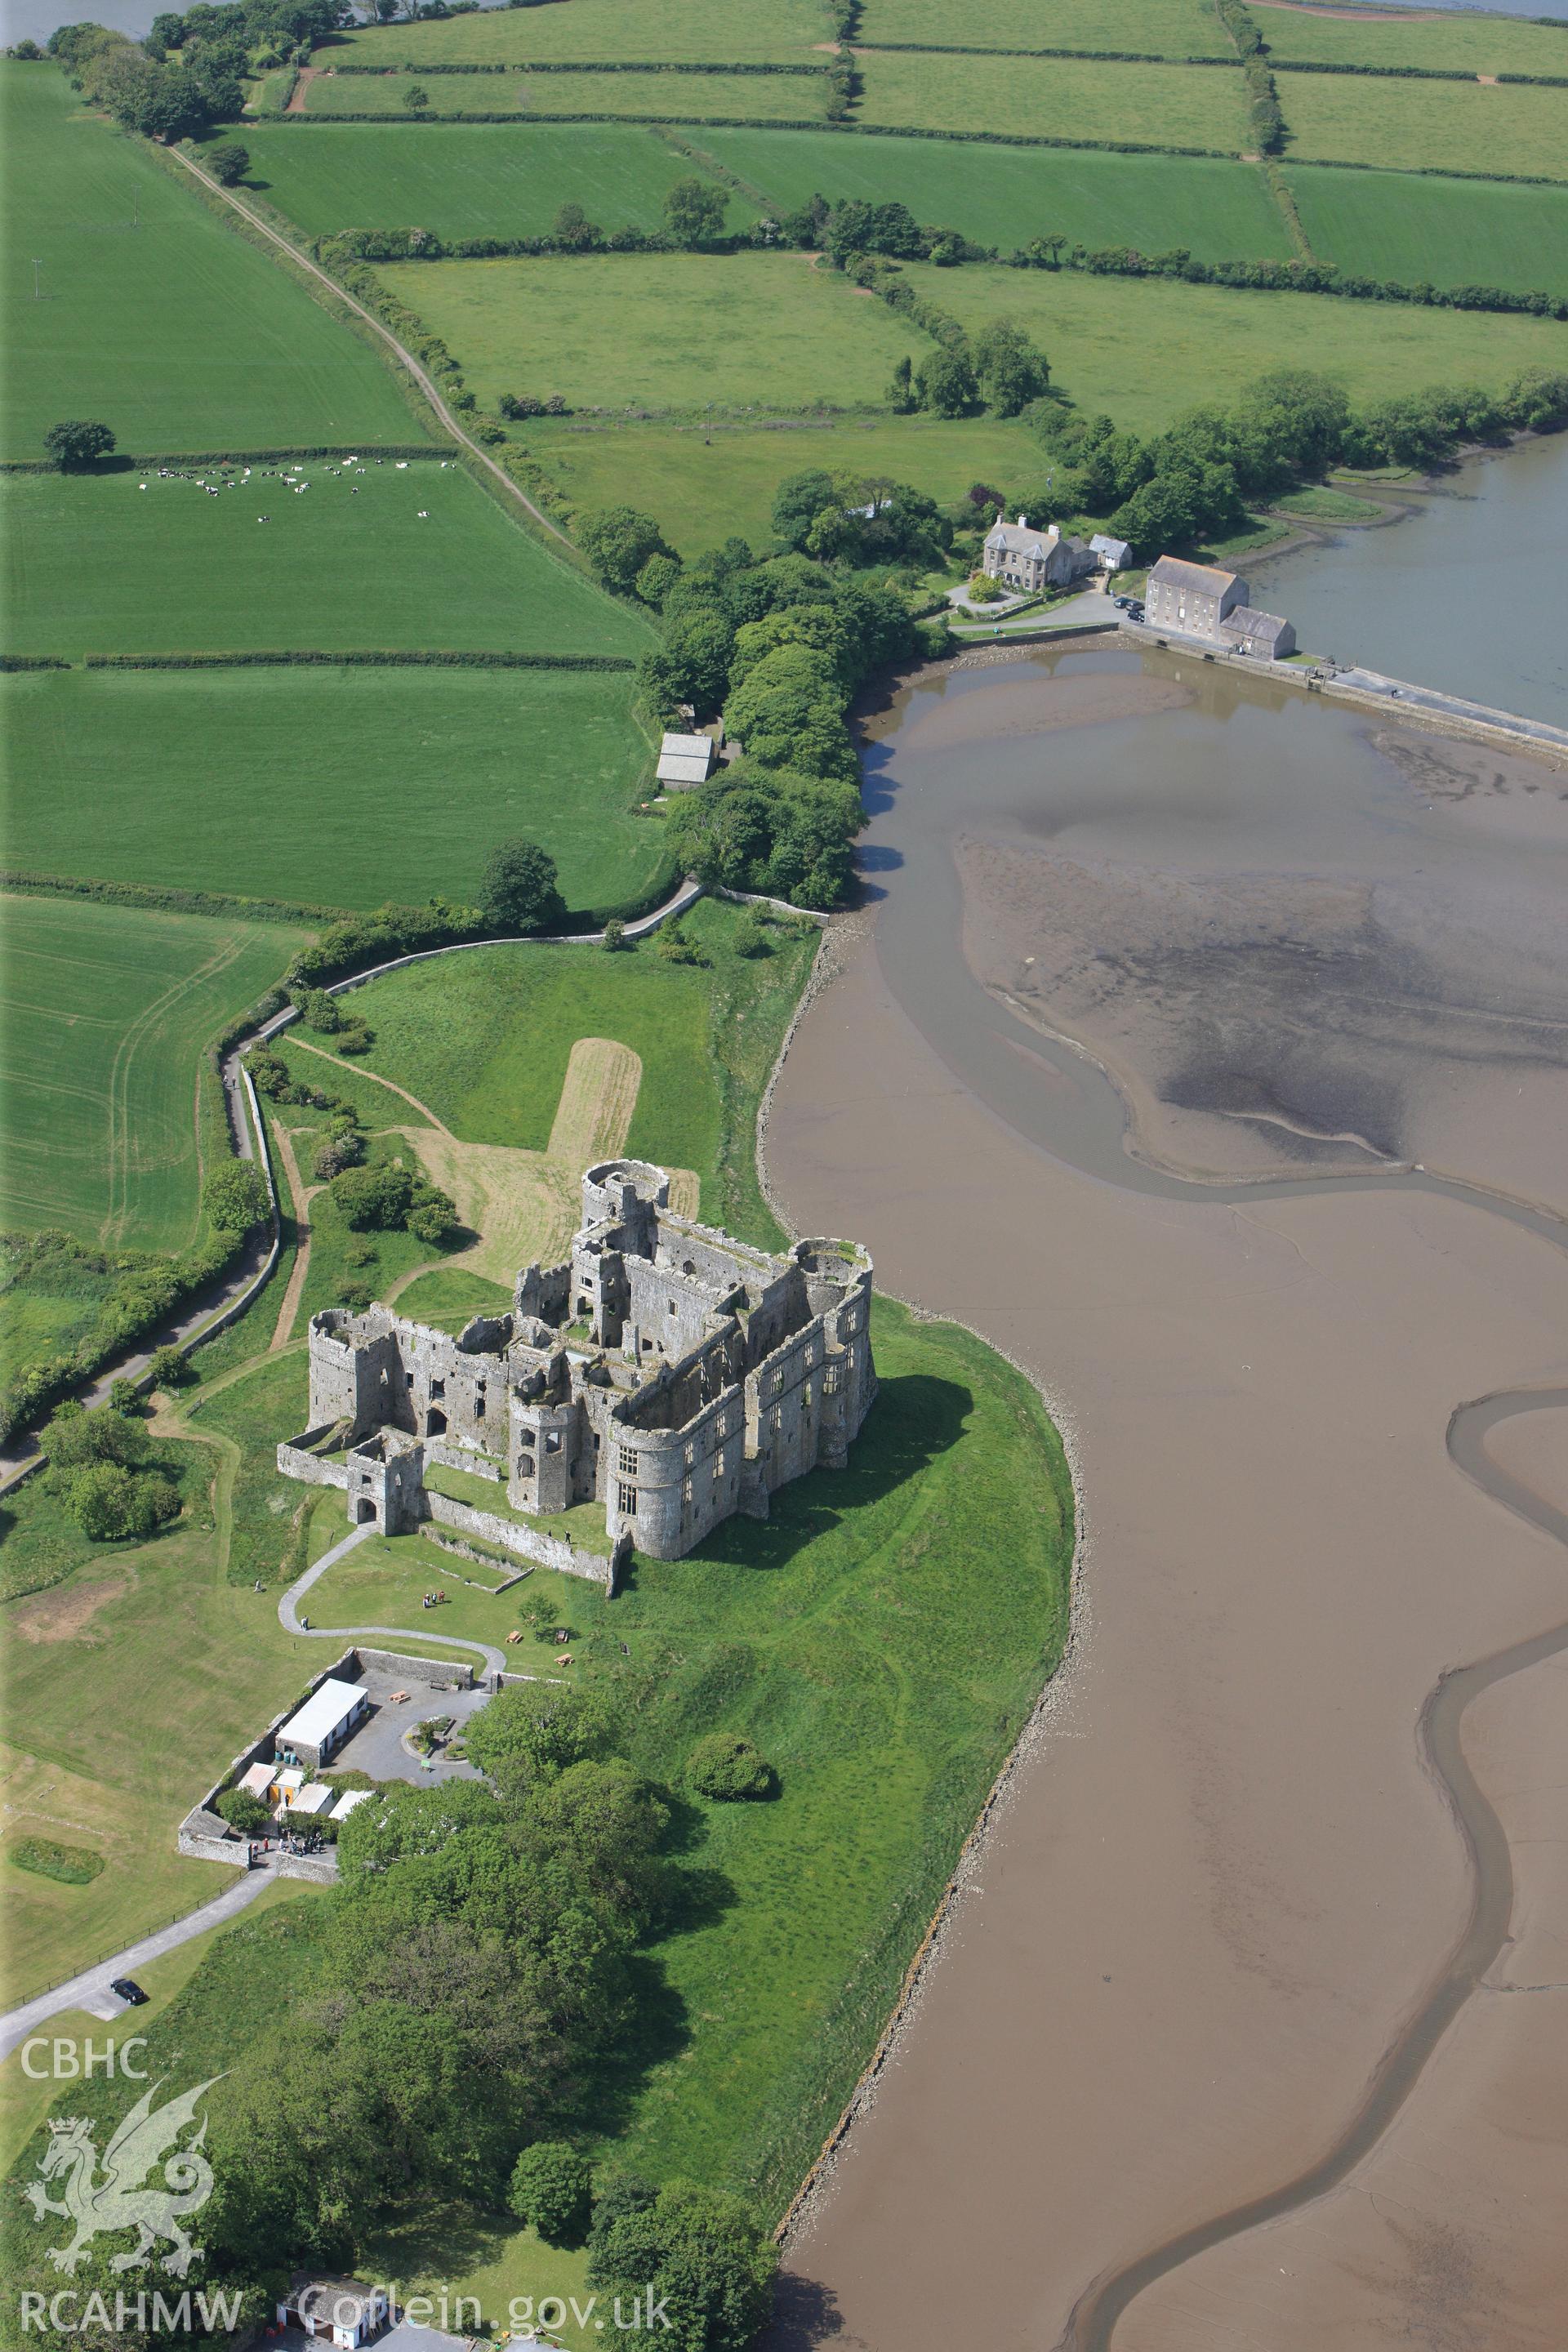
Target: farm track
column 112, row 1232
column 421, row 377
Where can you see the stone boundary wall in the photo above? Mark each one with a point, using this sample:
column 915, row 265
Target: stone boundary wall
column 293, row 1462
column 457, row 1457
column 436, row 1671
column 545, row 1551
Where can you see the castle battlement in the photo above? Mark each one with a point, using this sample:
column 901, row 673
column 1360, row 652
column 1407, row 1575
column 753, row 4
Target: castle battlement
column 663, row 1369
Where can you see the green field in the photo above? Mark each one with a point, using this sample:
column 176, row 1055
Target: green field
column 1410, row 126
column 753, row 331
column 451, row 1297
column 484, row 1039
column 642, row 97
column 410, row 560
column 678, row 31
column 497, row 180
column 1470, row 41
column 1434, row 232
column 1049, row 98
column 1145, row 350
column 1163, row 29
column 155, row 317
column 368, row 783
column 704, row 487
column 106, row 1011
column 1004, row 196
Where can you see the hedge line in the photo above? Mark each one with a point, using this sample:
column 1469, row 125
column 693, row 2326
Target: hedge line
column 1089, row 57
column 268, row 456
column 1301, row 278
column 360, row 659
column 1409, row 73
column 606, row 66
column 164, row 899
column 32, row 661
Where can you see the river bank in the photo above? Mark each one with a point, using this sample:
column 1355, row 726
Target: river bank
column 1228, row 1885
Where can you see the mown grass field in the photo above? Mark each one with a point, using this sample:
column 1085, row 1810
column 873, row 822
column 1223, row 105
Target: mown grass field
column 1470, row 41
column 1145, row 350
column 759, row 331
column 681, row 31
column 1005, row 195
column 411, row 559
column 641, row 97
column 155, row 317
column 371, row 784
column 1409, row 126
column 1165, row 28
column 106, row 1012
column 449, row 1298
column 1053, row 97
column 496, row 180
column 1434, row 232
column 484, row 1039
column 703, row 487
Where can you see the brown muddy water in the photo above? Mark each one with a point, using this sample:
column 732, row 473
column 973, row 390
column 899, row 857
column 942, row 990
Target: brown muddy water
column 1207, row 1053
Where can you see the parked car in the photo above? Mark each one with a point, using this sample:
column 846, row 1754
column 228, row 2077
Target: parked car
column 1123, row 604
column 129, row 1991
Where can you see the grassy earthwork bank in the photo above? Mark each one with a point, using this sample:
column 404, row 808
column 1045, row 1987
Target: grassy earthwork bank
column 494, row 180
column 395, row 557
column 106, row 1012
column 152, row 313
column 1431, row 231
column 651, row 97
column 671, row 330
column 375, row 784
column 1413, row 126
column 1220, row 211
column 654, row 32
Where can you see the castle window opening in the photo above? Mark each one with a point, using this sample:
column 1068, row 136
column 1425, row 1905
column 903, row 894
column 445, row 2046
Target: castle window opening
column 438, row 1388
column 553, row 1441
column 626, row 1500
column 627, row 1462
column 435, row 1423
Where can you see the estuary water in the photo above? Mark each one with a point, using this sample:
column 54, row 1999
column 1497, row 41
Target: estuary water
column 1206, row 1048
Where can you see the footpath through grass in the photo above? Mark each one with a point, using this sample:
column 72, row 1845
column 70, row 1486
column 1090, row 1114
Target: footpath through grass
column 497, row 180
column 754, row 332
column 369, row 783
column 397, row 558
column 152, row 314
column 106, row 1011
column 1429, row 231
column 1005, row 195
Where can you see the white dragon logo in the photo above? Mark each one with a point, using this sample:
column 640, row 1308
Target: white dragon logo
column 118, row 2201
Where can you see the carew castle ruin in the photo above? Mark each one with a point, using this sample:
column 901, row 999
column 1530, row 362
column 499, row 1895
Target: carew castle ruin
column 664, row 1371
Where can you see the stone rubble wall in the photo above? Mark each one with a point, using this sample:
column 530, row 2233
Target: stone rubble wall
column 528, row 1543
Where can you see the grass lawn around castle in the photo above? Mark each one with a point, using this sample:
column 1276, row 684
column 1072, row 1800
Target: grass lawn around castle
column 152, row 314
column 754, row 332
column 882, row 1637
column 497, row 180
column 369, row 783
column 389, row 557
column 1145, row 350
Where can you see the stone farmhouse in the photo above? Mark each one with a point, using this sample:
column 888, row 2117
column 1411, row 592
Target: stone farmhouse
column 1197, row 599
column 1031, row 560
column 664, row 1371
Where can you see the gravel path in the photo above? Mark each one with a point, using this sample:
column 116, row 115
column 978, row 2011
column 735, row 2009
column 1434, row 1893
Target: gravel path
column 288, row 1612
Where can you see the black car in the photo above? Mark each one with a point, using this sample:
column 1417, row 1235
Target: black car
column 129, row 1991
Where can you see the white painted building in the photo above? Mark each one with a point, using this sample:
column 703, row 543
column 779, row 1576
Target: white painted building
column 344, row 2313
column 322, row 1724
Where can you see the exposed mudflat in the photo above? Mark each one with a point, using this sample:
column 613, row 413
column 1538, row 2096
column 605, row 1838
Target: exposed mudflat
column 1246, row 1913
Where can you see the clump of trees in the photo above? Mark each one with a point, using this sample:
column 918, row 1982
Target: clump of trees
column 728, row 1768
column 101, row 1475
column 779, row 643
column 78, row 444
column 519, row 890
column 694, row 211
column 392, row 1198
